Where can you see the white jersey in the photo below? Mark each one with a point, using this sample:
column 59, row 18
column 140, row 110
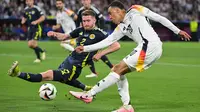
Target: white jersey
column 137, row 27
column 65, row 20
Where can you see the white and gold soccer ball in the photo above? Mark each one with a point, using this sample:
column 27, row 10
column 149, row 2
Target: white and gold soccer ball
column 47, row 92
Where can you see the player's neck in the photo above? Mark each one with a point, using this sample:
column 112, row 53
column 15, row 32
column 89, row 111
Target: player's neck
column 31, row 6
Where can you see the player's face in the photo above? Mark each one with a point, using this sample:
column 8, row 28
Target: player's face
column 29, row 2
column 59, row 5
column 115, row 15
column 88, row 22
column 86, row 3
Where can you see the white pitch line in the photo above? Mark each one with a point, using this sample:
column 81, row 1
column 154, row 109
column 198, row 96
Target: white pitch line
column 59, row 57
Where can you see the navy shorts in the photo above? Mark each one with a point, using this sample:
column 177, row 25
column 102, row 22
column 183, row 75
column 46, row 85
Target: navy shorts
column 34, row 32
column 70, row 69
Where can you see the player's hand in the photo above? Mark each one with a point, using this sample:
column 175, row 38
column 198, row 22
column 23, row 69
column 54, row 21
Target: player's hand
column 51, row 34
column 184, row 36
column 34, row 22
column 79, row 49
column 97, row 56
column 54, row 27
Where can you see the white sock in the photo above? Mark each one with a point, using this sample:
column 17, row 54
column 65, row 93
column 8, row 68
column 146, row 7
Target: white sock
column 111, row 79
column 67, row 46
column 123, row 89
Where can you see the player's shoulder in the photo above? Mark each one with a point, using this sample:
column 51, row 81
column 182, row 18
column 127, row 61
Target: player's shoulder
column 100, row 31
column 26, row 8
column 135, row 8
column 80, row 10
column 94, row 9
column 37, row 8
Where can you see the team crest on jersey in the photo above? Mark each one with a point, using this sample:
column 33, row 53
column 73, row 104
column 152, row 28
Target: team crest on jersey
column 81, row 33
column 33, row 12
column 92, row 36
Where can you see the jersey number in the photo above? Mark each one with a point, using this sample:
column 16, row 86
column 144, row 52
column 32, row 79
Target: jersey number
column 82, row 42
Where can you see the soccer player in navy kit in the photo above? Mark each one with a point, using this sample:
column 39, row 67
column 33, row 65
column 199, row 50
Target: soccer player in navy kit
column 33, row 16
column 100, row 23
column 70, row 69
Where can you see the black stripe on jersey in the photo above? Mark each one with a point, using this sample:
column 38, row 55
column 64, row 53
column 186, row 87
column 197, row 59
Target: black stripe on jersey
column 148, row 21
column 144, row 47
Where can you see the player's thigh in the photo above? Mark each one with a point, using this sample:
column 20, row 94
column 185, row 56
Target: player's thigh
column 47, row 75
column 66, row 74
column 32, row 43
column 140, row 59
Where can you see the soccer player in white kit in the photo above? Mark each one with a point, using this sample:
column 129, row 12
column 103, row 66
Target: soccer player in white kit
column 65, row 19
column 133, row 23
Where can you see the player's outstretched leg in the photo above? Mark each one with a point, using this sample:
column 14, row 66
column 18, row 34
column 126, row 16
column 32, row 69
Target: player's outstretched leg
column 15, row 72
column 125, row 108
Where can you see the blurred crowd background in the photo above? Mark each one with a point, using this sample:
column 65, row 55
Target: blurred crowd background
column 174, row 10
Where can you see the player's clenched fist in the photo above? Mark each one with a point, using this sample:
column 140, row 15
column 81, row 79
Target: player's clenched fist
column 79, row 49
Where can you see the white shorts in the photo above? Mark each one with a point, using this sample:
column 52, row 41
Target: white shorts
column 143, row 56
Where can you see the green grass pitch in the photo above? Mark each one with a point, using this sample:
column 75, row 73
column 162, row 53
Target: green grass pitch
column 172, row 84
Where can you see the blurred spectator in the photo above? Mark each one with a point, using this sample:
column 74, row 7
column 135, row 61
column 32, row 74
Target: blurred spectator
column 173, row 9
column 194, row 28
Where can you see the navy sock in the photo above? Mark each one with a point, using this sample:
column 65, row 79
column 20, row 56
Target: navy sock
column 31, row 77
column 76, row 83
column 37, row 52
column 92, row 68
column 39, row 49
column 107, row 61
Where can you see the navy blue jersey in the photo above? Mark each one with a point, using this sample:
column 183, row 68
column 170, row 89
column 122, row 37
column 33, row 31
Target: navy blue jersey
column 32, row 14
column 86, row 37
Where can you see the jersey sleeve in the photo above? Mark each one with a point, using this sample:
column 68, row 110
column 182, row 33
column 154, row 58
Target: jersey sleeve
column 156, row 17
column 70, row 13
column 115, row 36
column 39, row 11
column 25, row 15
column 75, row 33
column 58, row 20
column 99, row 15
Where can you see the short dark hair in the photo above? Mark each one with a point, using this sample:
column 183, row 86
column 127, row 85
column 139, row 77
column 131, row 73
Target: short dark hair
column 117, row 4
column 60, row 0
column 88, row 13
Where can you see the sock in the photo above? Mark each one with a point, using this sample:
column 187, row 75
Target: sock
column 123, row 89
column 39, row 49
column 107, row 61
column 92, row 68
column 111, row 79
column 37, row 52
column 67, row 46
column 31, row 77
column 76, row 83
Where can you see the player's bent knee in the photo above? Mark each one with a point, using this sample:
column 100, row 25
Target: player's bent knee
column 48, row 75
column 120, row 69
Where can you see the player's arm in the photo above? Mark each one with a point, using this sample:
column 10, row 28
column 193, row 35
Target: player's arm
column 59, row 36
column 114, row 37
column 41, row 19
column 38, row 21
column 112, row 48
column 164, row 21
column 55, row 27
column 23, row 20
column 63, row 36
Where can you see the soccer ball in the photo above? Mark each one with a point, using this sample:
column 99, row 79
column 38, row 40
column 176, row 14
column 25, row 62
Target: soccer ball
column 47, row 91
